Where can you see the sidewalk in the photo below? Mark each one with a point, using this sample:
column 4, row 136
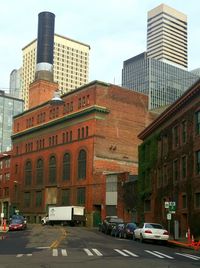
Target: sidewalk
column 183, row 242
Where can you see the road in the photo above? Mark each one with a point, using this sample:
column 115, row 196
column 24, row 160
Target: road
column 79, row 247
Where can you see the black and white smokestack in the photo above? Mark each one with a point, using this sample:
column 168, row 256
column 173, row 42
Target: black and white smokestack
column 45, row 46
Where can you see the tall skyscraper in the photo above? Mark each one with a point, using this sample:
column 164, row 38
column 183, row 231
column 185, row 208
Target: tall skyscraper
column 9, row 107
column 15, row 83
column 167, row 35
column 161, row 72
column 70, row 67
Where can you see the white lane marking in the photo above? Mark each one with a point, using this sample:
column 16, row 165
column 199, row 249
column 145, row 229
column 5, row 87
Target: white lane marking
column 121, row 252
column 130, row 253
column 162, row 254
column 29, row 255
column 150, row 252
column 64, row 252
column 55, row 252
column 88, row 252
column 97, row 252
column 188, row 256
column 19, row 255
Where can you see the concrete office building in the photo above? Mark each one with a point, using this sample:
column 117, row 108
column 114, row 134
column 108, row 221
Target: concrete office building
column 162, row 82
column 70, row 67
column 167, row 35
column 9, row 107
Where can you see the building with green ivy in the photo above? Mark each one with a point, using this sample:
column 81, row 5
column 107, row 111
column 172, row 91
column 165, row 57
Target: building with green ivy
column 169, row 165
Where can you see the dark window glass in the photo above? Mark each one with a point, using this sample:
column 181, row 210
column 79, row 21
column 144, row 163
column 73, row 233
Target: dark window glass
column 27, row 199
column 66, row 167
column 184, row 201
column 38, row 199
column 82, row 164
column 183, row 167
column 52, row 169
column 81, row 196
column 28, row 173
column 184, row 132
column 39, row 172
column 197, row 200
column 65, row 197
column 197, row 122
column 198, row 162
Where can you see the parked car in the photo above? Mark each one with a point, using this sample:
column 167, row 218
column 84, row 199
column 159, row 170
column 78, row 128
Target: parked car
column 17, row 222
column 128, row 230
column 116, row 229
column 108, row 222
column 151, row 231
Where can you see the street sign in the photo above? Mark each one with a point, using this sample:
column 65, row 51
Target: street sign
column 166, row 204
column 172, row 207
column 169, row 216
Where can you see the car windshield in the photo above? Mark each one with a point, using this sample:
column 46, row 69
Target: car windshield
column 153, row 226
column 117, row 220
column 16, row 221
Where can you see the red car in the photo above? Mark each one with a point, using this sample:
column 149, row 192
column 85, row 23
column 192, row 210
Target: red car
column 17, row 223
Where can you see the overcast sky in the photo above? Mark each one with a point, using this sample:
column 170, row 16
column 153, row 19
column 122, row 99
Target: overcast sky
column 115, row 30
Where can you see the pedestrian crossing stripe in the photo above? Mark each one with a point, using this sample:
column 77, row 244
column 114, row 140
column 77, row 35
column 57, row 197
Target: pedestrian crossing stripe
column 123, row 252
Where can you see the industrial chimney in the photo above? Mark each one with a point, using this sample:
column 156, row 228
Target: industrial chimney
column 45, row 45
column 44, row 88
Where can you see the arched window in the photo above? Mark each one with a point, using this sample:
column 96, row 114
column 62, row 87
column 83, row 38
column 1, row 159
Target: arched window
column 66, row 167
column 82, row 164
column 39, row 172
column 52, row 169
column 28, row 173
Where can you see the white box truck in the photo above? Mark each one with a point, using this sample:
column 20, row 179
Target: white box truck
column 65, row 215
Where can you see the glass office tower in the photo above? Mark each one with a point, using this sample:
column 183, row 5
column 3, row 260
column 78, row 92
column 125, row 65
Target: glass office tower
column 9, row 107
column 162, row 82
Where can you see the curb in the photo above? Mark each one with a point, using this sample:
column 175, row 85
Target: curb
column 181, row 244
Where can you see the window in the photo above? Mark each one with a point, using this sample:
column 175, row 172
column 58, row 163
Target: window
column 79, row 131
column 65, row 201
column 197, row 168
column 27, row 199
column 175, row 136
column 81, row 196
column 66, row 167
column 184, row 131
column 52, row 169
column 184, row 201
column 175, row 170
column 38, row 199
column 165, row 175
column 28, row 173
column 197, row 200
column 197, row 122
column 39, row 172
column 183, row 167
column 82, row 164
column 165, row 145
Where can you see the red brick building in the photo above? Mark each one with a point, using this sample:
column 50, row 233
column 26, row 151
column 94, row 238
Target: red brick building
column 169, row 165
column 78, row 153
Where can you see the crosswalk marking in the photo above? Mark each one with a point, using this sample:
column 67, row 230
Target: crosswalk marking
column 196, row 258
column 88, row 252
column 97, row 252
column 19, row 255
column 121, row 252
column 55, row 252
column 162, row 254
column 130, row 253
column 64, row 252
column 155, row 254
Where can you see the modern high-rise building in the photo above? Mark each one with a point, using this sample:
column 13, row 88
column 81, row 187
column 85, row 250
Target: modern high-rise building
column 167, row 35
column 9, row 107
column 15, row 83
column 161, row 72
column 70, row 67
column 162, row 82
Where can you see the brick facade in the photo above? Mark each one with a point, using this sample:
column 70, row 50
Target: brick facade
column 99, row 119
